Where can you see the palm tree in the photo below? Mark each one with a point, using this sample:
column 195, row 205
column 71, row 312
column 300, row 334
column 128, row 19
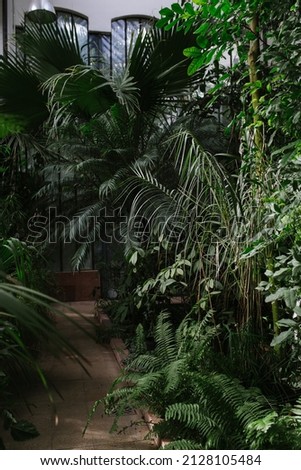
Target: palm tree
column 41, row 51
column 203, row 214
column 103, row 123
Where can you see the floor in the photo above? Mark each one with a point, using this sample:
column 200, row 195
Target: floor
column 61, row 424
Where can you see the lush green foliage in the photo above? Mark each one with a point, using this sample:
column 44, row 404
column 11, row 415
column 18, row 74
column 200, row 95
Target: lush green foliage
column 199, row 408
column 211, row 180
column 43, row 51
column 247, row 243
column 121, row 121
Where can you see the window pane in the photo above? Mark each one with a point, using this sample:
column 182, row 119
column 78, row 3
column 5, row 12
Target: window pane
column 132, row 30
column 118, row 44
column 106, row 47
column 114, row 49
column 78, row 27
column 64, row 19
column 100, row 50
column 81, row 28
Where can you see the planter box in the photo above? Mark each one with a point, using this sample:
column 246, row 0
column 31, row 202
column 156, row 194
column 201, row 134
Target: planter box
column 119, row 350
column 78, row 286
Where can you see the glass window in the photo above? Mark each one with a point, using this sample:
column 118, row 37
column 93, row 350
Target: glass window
column 124, row 34
column 118, row 44
column 78, row 26
column 19, row 32
column 100, row 50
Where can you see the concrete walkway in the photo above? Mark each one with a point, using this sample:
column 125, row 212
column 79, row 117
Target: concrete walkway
column 61, row 425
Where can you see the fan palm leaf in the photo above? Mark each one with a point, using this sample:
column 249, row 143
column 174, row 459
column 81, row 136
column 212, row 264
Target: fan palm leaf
column 21, row 99
column 159, row 69
column 48, row 50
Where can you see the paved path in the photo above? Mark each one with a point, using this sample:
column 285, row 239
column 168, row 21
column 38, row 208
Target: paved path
column 62, row 429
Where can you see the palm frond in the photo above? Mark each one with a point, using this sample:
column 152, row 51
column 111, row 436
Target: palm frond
column 21, row 97
column 49, row 49
column 79, row 90
column 17, row 303
column 159, row 69
column 126, row 91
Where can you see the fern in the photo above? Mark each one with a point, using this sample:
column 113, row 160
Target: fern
column 200, row 409
column 189, row 413
column 140, row 344
column 174, row 373
column 166, row 351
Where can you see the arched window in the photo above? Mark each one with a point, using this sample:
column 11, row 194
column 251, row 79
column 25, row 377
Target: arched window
column 99, row 49
column 78, row 25
column 124, row 33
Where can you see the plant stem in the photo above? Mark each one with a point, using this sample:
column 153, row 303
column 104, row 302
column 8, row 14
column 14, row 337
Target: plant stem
column 253, row 56
column 275, row 307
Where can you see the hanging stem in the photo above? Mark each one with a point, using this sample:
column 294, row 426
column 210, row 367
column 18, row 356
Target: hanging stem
column 275, row 306
column 253, row 56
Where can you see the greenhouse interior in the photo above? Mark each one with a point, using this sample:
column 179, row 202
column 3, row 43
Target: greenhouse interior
column 150, row 225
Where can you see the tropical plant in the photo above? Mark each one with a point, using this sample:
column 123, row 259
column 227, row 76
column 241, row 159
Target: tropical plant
column 25, row 324
column 216, row 203
column 199, row 408
column 273, row 85
column 245, row 226
column 102, row 124
column 42, row 51
column 21, row 319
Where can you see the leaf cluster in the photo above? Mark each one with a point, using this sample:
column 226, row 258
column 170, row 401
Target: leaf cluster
column 199, row 408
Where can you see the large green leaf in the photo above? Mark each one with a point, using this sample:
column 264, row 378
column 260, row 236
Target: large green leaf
column 21, row 99
column 49, row 49
column 46, row 51
column 159, row 68
column 18, row 303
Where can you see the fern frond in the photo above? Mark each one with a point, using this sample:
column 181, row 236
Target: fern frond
column 188, row 413
column 174, row 374
column 143, row 363
column 140, row 343
column 165, row 351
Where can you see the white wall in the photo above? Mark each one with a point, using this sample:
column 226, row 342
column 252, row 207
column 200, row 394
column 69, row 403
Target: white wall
column 100, row 12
